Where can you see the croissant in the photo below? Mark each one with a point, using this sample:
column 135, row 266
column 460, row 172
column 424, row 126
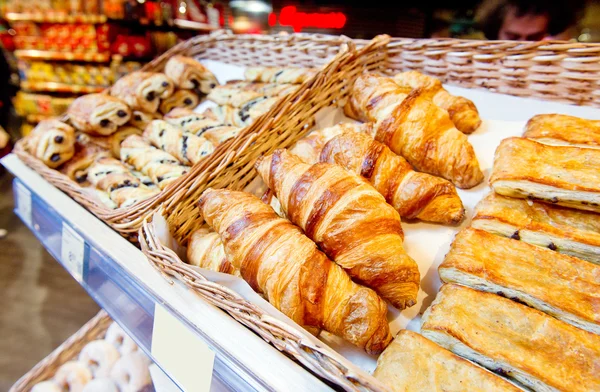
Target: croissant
column 185, row 99
column 98, row 114
column 277, row 260
column 213, row 130
column 113, row 142
column 52, row 142
column 189, row 74
column 143, row 90
column 414, row 195
column 279, row 75
column 186, row 147
column 205, row 250
column 462, row 111
column 160, row 166
column 349, row 220
column 415, row 128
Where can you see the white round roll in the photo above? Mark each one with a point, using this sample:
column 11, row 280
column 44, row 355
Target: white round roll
column 101, row 385
column 72, row 376
column 118, row 338
column 99, row 356
column 46, row 386
column 131, row 372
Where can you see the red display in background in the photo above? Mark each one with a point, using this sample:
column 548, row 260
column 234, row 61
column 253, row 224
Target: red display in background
column 289, row 16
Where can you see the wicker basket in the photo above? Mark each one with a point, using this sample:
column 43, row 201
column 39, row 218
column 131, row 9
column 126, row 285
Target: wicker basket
column 45, row 369
column 302, row 50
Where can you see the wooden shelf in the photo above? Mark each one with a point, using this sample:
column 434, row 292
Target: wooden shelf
column 62, row 56
column 39, row 17
column 60, row 87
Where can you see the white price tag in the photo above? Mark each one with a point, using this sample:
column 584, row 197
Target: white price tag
column 182, row 354
column 72, row 252
column 24, row 203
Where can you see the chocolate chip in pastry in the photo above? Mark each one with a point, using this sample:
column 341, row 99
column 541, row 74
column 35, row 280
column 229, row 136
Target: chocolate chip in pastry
column 85, row 155
column 98, row 114
column 52, row 142
column 563, row 130
column 141, row 119
column 113, row 142
column 185, row 99
column 186, row 147
column 143, row 90
column 190, row 74
column 213, row 130
column 279, row 75
column 243, row 116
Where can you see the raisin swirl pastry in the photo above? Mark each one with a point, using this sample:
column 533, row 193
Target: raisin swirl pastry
column 189, row 74
column 186, row 147
column 279, row 75
column 112, row 176
column 143, row 90
column 160, row 166
column 185, row 99
column 210, row 128
column 98, row 114
column 52, row 142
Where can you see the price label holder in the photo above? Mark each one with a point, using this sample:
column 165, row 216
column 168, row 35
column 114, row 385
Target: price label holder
column 24, row 203
column 72, row 252
column 181, row 353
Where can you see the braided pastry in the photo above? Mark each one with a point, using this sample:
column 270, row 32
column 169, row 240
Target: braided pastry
column 143, row 90
column 186, row 147
column 98, row 114
column 52, row 142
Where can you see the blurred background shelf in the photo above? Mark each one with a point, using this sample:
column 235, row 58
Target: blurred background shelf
column 32, row 54
column 60, row 87
column 40, row 17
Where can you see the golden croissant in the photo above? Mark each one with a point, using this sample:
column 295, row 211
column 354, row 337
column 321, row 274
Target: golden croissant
column 205, row 250
column 349, row 220
column 278, row 261
column 412, row 126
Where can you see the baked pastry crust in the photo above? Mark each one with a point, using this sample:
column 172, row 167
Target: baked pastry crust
column 279, row 75
column 52, row 142
column 143, row 90
column 189, row 74
column 208, row 127
column 572, row 232
column 185, row 99
column 537, row 350
column 563, row 286
column 186, row 147
column 277, row 260
column 349, row 220
column 85, row 155
column 205, row 250
column 113, row 142
column 567, row 176
column 562, row 130
column 412, row 363
column 237, row 94
column 98, row 114
column 140, row 119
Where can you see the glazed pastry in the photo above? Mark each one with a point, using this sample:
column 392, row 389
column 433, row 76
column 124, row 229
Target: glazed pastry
column 99, row 356
column 567, row 176
column 46, row 386
column 537, row 350
column 563, row 286
column 160, row 166
column 186, row 147
column 277, row 260
column 572, row 232
column 76, row 168
column 205, row 250
column 189, row 74
column 238, row 94
column 414, row 195
column 141, row 119
column 180, row 99
column 98, row 114
column 119, row 339
column 131, row 372
column 113, row 142
column 412, row 363
column 72, row 376
column 113, row 177
column 412, row 126
column 462, row 111
column 143, row 90
column 244, row 116
column 279, row 75
column 349, row 220
column 52, row 142
column 101, row 385
column 563, row 130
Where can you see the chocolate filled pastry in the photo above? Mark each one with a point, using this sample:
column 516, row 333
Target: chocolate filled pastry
column 186, row 147
column 52, row 142
column 567, row 176
column 190, row 74
column 412, row 363
column 280, row 262
column 462, row 111
column 205, row 250
column 572, row 232
column 113, row 142
column 113, row 177
column 243, row 116
column 85, row 155
column 414, row 195
column 349, row 220
column 98, row 114
column 279, row 75
column 160, row 166
column 185, row 99
column 210, row 128
column 521, row 343
column 141, row 119
column 413, row 127
column 238, row 94
column 143, row 90
column 563, row 286
column 563, row 130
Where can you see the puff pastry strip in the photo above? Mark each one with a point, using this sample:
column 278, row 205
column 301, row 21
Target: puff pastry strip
column 52, row 142
column 572, row 232
column 143, row 90
column 563, row 130
column 412, row 363
column 563, row 286
column 279, row 75
column 98, row 114
column 414, row 195
column 186, row 147
column 537, row 350
column 205, row 250
column 190, row 74
column 567, row 176
column 349, row 220
column 185, row 99
column 412, row 126
column 462, row 111
column 277, row 260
